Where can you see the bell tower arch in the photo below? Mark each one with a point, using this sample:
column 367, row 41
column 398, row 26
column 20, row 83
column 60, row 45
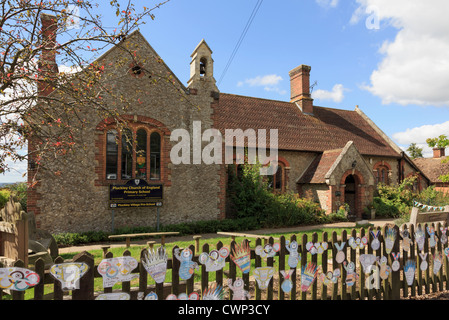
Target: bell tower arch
column 202, row 67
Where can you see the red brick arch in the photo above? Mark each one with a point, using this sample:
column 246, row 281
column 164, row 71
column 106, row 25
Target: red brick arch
column 382, row 164
column 355, row 173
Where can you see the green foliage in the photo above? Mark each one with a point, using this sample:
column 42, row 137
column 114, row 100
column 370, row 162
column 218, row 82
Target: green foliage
column 440, row 142
column 4, row 197
column 251, row 197
column 414, row 151
column 20, row 191
column 433, row 197
column 200, row 227
column 394, row 201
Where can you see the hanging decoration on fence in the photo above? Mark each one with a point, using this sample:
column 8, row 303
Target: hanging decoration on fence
column 214, row 260
column 367, row 260
column 69, row 274
column 238, row 289
column 263, row 276
column 443, row 238
column 406, row 241
column 427, row 207
column 385, row 269
column 287, row 284
column 309, row 273
column 437, row 262
column 268, row 250
column 423, row 265
column 395, row 266
column 294, row 258
column 375, row 244
column 316, row 248
column 446, row 252
column 113, row 296
column 214, row 292
column 241, row 257
column 117, row 269
column 18, row 279
column 432, row 237
column 155, row 263
column 183, row 296
column 351, row 275
column 420, row 237
column 151, row 296
column 330, row 276
column 390, row 238
column 409, row 271
column 357, row 242
column 187, row 267
column 340, row 257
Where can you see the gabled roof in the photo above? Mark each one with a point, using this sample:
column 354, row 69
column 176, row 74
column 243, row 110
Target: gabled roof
column 320, row 166
column 327, row 129
column 433, row 168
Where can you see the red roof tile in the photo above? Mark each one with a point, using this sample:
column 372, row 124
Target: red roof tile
column 327, row 129
column 321, row 165
column 433, row 168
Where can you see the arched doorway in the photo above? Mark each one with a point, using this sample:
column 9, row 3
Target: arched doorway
column 351, row 195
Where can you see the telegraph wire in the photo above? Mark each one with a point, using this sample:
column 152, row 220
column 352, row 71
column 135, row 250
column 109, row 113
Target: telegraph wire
column 242, row 36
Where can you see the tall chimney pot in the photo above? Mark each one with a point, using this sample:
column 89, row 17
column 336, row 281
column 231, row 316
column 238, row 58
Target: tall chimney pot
column 439, row 152
column 48, row 69
column 300, row 88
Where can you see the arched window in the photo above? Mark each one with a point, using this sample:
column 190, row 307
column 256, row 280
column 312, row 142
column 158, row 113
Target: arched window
column 141, row 154
column 382, row 175
column 203, row 67
column 127, row 154
column 111, row 155
column 155, row 156
column 276, row 181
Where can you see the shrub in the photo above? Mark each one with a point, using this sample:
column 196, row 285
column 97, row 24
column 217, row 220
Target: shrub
column 394, row 201
column 4, row 197
column 251, row 198
column 433, row 197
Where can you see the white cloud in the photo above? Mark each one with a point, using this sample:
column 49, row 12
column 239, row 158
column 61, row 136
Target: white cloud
column 269, row 82
column 327, row 3
column 419, row 135
column 336, row 95
column 415, row 65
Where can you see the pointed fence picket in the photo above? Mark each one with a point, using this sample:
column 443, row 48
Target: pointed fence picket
column 394, row 287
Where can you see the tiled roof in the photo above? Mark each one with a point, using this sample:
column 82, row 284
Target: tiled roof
column 321, row 165
column 433, row 168
column 327, row 129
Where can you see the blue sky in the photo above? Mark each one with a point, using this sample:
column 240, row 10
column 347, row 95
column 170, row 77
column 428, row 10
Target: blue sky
column 389, row 57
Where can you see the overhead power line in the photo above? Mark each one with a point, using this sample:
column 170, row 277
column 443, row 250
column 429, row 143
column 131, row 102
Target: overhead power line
column 242, row 36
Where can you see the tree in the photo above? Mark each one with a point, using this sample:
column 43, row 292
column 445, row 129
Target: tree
column 45, row 103
column 414, row 151
column 440, row 142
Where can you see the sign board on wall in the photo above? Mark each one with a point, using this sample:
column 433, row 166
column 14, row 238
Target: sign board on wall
column 134, row 194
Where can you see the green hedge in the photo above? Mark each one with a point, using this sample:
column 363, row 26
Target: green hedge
column 200, row 227
column 4, row 197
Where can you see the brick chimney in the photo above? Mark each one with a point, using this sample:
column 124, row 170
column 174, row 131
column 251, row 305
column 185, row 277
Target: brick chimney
column 300, row 88
column 438, row 152
column 48, row 69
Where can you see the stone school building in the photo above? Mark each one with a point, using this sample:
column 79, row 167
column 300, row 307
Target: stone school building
column 336, row 156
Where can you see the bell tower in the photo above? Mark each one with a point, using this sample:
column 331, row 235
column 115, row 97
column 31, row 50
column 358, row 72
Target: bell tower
column 202, row 67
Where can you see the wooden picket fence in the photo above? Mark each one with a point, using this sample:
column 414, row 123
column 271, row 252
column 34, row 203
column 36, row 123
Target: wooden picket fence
column 393, row 288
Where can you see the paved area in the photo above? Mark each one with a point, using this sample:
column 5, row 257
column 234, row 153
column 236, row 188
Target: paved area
column 96, row 246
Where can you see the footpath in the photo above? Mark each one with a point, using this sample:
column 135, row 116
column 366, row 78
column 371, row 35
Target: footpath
column 97, row 246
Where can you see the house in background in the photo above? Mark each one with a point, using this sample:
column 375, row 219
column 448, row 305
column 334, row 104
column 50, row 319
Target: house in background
column 434, row 168
column 336, row 156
